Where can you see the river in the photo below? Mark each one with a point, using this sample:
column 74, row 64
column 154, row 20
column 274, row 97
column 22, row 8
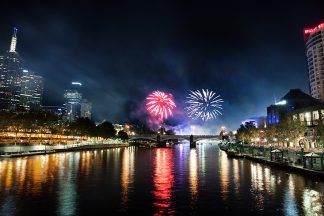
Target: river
column 157, row 181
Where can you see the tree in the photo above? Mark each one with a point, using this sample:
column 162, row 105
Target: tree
column 83, row 127
column 290, row 130
column 122, row 135
column 105, row 130
column 271, row 133
column 247, row 132
column 319, row 135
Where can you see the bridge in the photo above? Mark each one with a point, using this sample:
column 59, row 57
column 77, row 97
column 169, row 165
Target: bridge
column 154, row 138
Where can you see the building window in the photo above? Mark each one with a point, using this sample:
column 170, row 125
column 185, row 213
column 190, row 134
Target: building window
column 302, row 116
column 315, row 115
column 308, row 118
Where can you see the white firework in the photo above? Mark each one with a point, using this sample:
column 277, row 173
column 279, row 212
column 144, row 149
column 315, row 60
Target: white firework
column 203, row 104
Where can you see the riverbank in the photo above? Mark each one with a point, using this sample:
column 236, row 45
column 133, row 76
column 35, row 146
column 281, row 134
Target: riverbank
column 52, row 151
column 285, row 165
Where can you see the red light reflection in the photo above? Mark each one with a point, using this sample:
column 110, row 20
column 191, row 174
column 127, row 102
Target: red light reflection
column 163, row 180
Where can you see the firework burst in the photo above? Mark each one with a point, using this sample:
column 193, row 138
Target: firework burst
column 203, row 104
column 160, row 104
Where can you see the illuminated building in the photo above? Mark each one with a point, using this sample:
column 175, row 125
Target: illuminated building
column 118, row 127
column 314, row 38
column 258, row 122
column 86, row 108
column 31, row 90
column 57, row 110
column 73, row 100
column 10, row 76
column 293, row 101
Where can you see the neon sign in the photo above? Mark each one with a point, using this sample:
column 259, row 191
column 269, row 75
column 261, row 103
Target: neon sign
column 309, row 31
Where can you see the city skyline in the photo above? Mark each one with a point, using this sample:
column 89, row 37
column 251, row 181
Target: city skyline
column 123, row 55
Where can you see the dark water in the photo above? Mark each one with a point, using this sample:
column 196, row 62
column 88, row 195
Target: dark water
column 159, row 181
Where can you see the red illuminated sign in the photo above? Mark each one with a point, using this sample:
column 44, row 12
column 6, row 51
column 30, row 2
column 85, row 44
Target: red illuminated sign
column 309, row 31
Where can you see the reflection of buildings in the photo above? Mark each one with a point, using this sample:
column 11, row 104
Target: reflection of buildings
column 10, row 76
column 193, row 174
column 314, row 38
column 224, row 175
column 127, row 173
column 31, row 90
column 163, row 180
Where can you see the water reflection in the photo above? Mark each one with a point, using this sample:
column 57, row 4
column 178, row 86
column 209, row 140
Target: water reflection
column 312, row 202
column 236, row 172
column 193, row 175
column 127, row 174
column 163, row 181
column 290, row 205
column 224, row 175
column 182, row 181
column 67, row 188
column 259, row 181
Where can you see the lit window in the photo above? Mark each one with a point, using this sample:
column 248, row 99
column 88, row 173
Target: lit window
column 302, row 116
column 315, row 115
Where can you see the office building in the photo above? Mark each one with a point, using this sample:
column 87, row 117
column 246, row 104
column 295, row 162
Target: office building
column 314, row 39
column 10, row 76
column 73, row 98
column 31, row 91
column 86, row 108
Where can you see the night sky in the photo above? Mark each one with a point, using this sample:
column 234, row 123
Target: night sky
column 249, row 52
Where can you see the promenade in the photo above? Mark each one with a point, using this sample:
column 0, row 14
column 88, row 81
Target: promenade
column 30, row 150
column 291, row 159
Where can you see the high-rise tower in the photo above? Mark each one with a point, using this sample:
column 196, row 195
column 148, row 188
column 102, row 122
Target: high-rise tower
column 314, row 38
column 10, row 76
column 31, row 90
column 73, row 98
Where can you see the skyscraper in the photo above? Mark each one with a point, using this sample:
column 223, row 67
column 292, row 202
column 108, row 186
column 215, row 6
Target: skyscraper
column 73, row 99
column 86, row 108
column 10, row 76
column 31, row 90
column 314, row 38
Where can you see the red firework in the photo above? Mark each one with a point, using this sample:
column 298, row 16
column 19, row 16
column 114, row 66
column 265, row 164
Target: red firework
column 160, row 104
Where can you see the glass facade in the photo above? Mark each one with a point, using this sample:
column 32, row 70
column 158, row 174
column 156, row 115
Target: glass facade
column 72, row 104
column 10, row 80
column 31, row 91
column 86, row 108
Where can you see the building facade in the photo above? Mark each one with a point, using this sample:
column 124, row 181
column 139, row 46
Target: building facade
column 73, row 100
column 314, row 39
column 31, row 91
column 294, row 100
column 10, row 76
column 86, row 108
column 57, row 110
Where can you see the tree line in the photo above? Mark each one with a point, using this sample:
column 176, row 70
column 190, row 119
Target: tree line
column 286, row 131
column 49, row 123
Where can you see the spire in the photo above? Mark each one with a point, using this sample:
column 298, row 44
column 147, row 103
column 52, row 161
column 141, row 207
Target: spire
column 13, row 41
